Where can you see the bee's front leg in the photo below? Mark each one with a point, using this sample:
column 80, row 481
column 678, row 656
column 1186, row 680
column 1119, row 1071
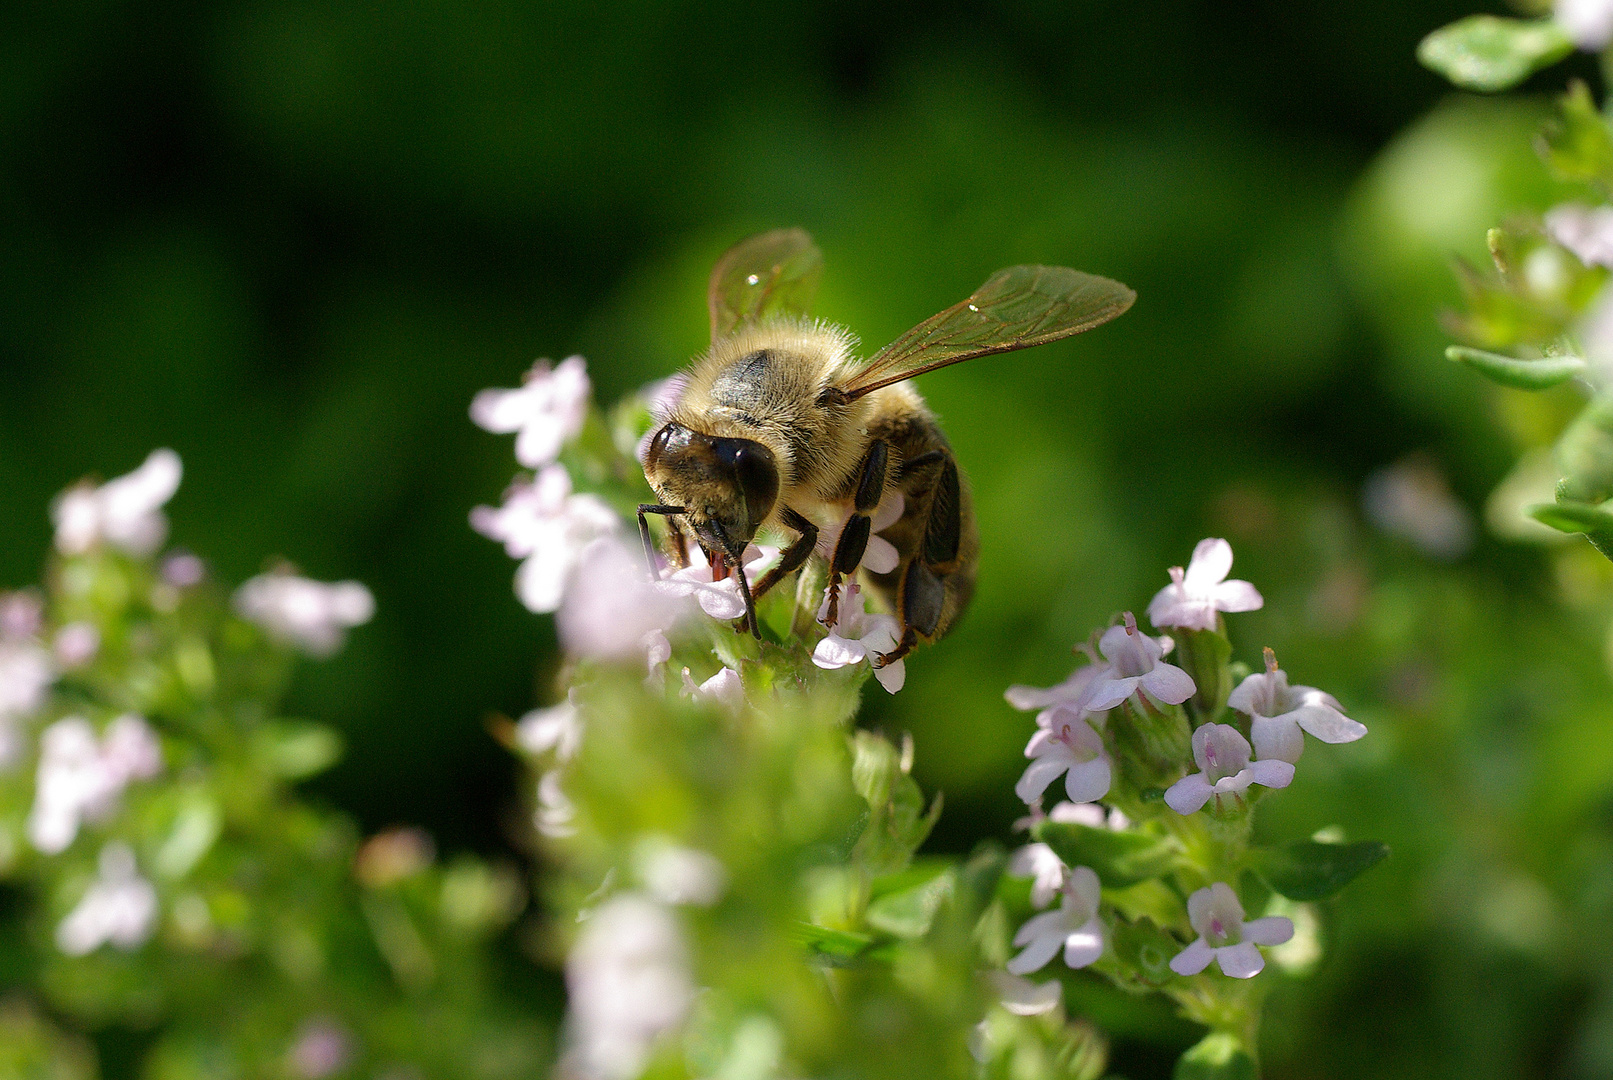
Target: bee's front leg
column 793, row 556
column 848, row 553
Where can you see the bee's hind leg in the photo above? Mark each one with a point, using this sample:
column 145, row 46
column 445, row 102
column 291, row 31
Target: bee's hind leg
column 848, row 553
column 903, row 647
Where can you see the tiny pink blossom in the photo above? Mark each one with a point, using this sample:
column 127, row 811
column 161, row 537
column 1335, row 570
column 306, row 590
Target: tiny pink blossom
column 1042, row 865
column 1215, row 913
column 76, row 644
column 725, row 687
column 311, row 615
column 861, row 636
column 719, row 599
column 1278, row 712
column 1135, row 664
column 545, row 525
column 125, row 513
column 1195, row 595
column 556, row 729
column 547, row 409
column 79, row 778
column 120, row 907
column 1073, row 927
column 1222, row 755
column 610, row 603
column 1070, row 746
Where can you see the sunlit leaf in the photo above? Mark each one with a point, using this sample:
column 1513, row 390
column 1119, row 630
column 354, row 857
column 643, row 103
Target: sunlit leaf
column 1519, row 374
column 1484, row 52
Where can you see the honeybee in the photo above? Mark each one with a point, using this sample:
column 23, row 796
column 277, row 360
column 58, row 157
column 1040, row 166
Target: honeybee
column 780, row 425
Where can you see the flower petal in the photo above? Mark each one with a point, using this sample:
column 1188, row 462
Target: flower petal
column 1277, row 738
column 1271, row 773
column 1084, row 888
column 1038, row 774
column 892, row 676
column 1328, row 724
column 1169, row 683
column 880, row 555
column 1085, row 945
column 1188, row 794
column 1049, row 924
column 1193, row 959
column 1088, row 781
column 835, row 651
column 1240, row 961
column 1210, row 565
column 1271, row 930
column 1107, row 692
column 1041, row 950
column 1238, row 596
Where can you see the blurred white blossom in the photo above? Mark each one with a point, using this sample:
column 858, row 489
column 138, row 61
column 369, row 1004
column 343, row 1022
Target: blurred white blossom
column 1217, row 915
column 1410, row 499
column 1278, row 712
column 1042, row 865
column 80, row 778
column 1196, row 595
column 76, row 644
column 544, row 524
column 629, row 983
column 657, row 651
column 610, row 604
column 311, row 615
column 1222, row 755
column 126, row 512
column 1588, row 22
column 725, row 687
column 1074, row 927
column 26, row 675
column 555, row 811
column 322, row 1047
column 1587, row 231
column 1022, row 997
column 859, row 636
column 547, row 409
column 120, row 907
column 674, row 874
column 557, row 728
column 1135, row 664
column 1068, row 745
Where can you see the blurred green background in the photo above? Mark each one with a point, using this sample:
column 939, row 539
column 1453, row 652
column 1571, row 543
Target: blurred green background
column 291, row 240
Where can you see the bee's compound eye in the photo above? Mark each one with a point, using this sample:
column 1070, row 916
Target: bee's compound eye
column 754, row 471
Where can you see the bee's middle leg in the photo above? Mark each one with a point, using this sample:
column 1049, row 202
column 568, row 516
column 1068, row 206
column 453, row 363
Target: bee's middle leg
column 793, row 556
column 848, row 553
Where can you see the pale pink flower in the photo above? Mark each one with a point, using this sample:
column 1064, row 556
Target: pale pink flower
column 555, row 812
column 76, row 644
column 26, row 674
column 675, row 874
column 1042, row 865
column 1074, row 927
column 880, row 556
column 725, row 687
column 861, row 636
column 610, row 604
column 80, row 778
column 322, row 1048
column 120, row 907
column 548, row 409
column 1135, row 664
column 1195, row 595
column 1068, row 745
column 1588, row 22
column 1222, row 755
column 311, row 615
column 1224, row 937
column 125, row 513
column 1278, row 712
column 557, row 730
column 1071, row 692
column 719, row 599
column 545, row 525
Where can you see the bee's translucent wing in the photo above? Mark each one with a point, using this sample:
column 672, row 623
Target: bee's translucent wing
column 768, row 274
column 1015, row 309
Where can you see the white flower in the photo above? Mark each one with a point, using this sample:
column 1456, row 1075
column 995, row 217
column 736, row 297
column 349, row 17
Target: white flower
column 1090, row 815
column 725, row 687
column 80, row 779
column 26, row 675
column 557, row 728
column 860, row 636
column 1042, row 864
column 679, row 875
column 120, row 907
column 657, row 651
column 1022, row 997
column 610, row 604
column 1223, row 935
column 1194, row 596
column 1222, row 755
column 322, row 1047
column 310, row 615
column 547, row 526
column 880, row 556
column 1412, row 500
column 126, row 512
column 1071, row 692
column 21, row 615
column 76, row 644
column 1587, row 231
column 1067, row 744
column 1134, row 663
column 548, row 409
column 719, row 599
column 1074, row 927
column 555, row 811
column 629, row 983
column 1278, row 712
column 1588, row 22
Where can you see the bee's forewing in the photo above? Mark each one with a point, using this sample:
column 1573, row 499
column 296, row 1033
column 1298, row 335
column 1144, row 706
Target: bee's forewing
column 772, row 273
column 1015, row 309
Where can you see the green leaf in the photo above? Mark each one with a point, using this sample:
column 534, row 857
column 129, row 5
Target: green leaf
column 1220, row 1055
column 833, row 947
column 1144, row 952
column 1308, row 870
column 1573, row 517
column 1585, row 455
column 1577, row 144
column 293, row 750
column 1539, row 374
column 1487, row 53
column 909, row 913
column 1120, row 858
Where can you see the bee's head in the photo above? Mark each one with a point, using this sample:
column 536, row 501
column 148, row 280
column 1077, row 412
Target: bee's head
column 726, row 486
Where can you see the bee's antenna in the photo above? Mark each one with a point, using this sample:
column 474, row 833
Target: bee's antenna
column 644, row 532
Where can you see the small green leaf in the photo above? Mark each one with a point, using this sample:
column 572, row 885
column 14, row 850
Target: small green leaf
column 1120, row 858
column 909, row 913
column 1144, row 952
column 1307, row 870
column 1585, row 455
column 1574, row 517
column 1539, row 374
column 833, row 947
column 1220, row 1055
column 1487, row 53
column 295, row 751
column 1577, row 144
